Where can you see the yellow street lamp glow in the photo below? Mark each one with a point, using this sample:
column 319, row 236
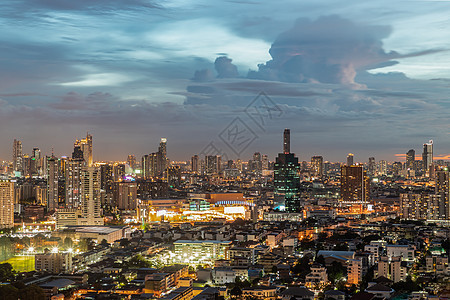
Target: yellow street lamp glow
column 31, row 249
column 70, row 250
column 55, row 250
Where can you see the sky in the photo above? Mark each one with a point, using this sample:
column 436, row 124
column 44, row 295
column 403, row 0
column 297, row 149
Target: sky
column 225, row 77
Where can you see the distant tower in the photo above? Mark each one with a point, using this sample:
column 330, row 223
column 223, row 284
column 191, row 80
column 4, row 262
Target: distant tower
column 372, row 166
column 410, row 159
column 286, row 178
column 85, row 146
column 350, row 159
column 195, row 164
column 161, row 167
column 131, row 161
column 427, row 157
column 442, row 189
column 354, row 185
column 52, row 183
column 317, row 166
column 17, row 156
column 287, row 141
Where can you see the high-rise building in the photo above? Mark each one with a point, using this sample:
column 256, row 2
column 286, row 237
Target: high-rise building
column 36, row 162
column 52, row 183
column 410, row 160
column 287, row 141
column 382, row 168
column 317, row 166
column 354, row 185
column 174, row 176
column 286, row 178
column 90, row 192
column 427, row 157
column 265, row 162
column 213, row 164
column 161, row 168
column 73, row 183
column 131, row 161
column 256, row 166
column 6, row 204
column 125, row 195
column 443, row 190
column 118, row 171
column 17, row 156
column 419, row 206
column 372, row 167
column 85, row 146
column 350, row 159
column 195, row 164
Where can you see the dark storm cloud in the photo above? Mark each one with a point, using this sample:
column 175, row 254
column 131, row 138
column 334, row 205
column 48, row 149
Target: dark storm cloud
column 225, row 68
column 328, row 50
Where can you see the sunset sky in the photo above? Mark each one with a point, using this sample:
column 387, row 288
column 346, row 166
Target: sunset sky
column 367, row 77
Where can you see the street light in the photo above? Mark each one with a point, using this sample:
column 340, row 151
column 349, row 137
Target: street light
column 55, row 250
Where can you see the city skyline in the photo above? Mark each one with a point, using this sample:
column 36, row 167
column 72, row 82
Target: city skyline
column 367, row 78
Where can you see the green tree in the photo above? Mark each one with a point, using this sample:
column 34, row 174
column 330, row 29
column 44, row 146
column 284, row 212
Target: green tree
column 6, row 272
column 8, row 292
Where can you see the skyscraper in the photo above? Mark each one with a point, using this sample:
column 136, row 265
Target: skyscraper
column 410, row 160
column 443, row 190
column 161, row 167
column 287, row 141
column 350, row 159
column 17, row 156
column 90, row 192
column 382, row 167
column 195, row 164
column 317, row 166
column 427, row 157
column 52, row 183
column 286, row 178
column 6, row 204
column 372, row 168
column 85, row 146
column 213, row 164
column 73, row 182
column 354, row 185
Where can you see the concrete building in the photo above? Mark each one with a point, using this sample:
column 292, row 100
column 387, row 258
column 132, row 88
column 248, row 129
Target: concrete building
column 54, row 263
column 6, row 204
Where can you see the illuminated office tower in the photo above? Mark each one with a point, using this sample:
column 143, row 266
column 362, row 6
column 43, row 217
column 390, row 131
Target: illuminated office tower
column 73, row 182
column 265, row 162
column 410, row 160
column 131, row 161
column 17, row 156
column 427, row 157
column 286, row 178
column 6, row 204
column 26, row 165
column 125, row 195
column 443, row 189
column 317, row 166
column 195, row 164
column 382, row 168
column 52, row 183
column 256, row 166
column 350, row 159
column 354, row 185
column 287, row 141
column 212, row 164
column 85, row 146
column 90, row 194
column 161, row 160
column 372, row 167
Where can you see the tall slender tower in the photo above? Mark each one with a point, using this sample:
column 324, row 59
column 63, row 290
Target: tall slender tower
column 287, row 141
column 410, row 159
column 52, row 183
column 85, row 146
column 350, row 161
column 17, row 156
column 427, row 157
column 286, row 178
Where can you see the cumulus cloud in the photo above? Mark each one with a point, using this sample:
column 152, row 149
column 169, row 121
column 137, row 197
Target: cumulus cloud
column 225, row 67
column 329, row 49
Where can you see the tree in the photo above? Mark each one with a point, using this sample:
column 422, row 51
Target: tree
column 336, row 271
column 104, row 243
column 320, row 260
column 8, row 292
column 235, row 292
column 6, row 272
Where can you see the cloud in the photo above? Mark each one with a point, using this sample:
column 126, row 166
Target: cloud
column 329, row 49
column 225, row 68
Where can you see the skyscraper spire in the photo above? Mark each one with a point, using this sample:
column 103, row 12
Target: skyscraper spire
column 287, row 141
